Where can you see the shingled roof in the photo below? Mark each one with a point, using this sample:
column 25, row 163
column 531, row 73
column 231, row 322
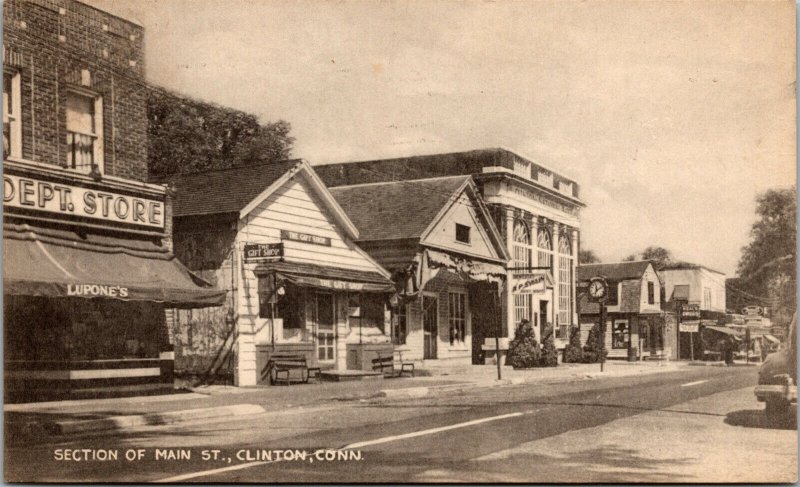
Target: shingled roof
column 397, row 209
column 224, row 190
column 618, row 271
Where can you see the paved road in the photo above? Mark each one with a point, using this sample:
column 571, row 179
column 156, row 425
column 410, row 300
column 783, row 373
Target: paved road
column 699, row 424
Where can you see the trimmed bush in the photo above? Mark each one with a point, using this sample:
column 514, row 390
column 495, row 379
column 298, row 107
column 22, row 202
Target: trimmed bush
column 595, row 346
column 573, row 352
column 523, row 351
column 549, row 353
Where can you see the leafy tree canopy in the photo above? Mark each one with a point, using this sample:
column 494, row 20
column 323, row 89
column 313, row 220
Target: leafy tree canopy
column 186, row 135
column 587, row 257
column 659, row 255
column 767, row 265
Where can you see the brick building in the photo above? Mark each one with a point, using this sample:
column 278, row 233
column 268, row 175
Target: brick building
column 77, row 205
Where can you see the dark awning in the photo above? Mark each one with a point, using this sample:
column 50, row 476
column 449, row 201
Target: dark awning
column 725, row 330
column 328, row 278
column 60, row 263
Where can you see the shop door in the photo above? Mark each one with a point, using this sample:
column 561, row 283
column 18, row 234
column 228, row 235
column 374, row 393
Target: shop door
column 325, row 328
column 542, row 317
column 430, row 325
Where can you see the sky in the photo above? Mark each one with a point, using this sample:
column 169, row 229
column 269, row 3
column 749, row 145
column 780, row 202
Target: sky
column 672, row 116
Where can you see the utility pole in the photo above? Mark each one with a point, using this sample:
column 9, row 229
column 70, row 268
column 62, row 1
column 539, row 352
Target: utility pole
column 602, row 336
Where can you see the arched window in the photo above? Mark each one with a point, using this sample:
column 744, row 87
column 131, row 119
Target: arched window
column 522, row 244
column 523, row 251
column 564, row 286
column 545, row 245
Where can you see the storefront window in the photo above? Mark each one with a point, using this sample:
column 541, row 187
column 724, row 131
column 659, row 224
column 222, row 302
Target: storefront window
column 620, row 335
column 545, row 245
column 522, row 307
column 458, row 317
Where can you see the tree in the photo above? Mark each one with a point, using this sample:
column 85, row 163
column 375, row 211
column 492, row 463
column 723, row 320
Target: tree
column 659, row 255
column 587, row 257
column 573, row 352
column 186, row 135
column 595, row 346
column 767, row 265
column 523, row 351
column 549, row 356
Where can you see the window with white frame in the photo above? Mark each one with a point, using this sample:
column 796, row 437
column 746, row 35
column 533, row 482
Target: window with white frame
column 544, row 243
column 84, row 132
column 707, row 298
column 522, row 307
column 564, row 286
column 522, row 244
column 12, row 122
column 458, row 317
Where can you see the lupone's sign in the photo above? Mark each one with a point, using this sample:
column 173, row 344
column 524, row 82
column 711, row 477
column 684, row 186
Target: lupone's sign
column 30, row 194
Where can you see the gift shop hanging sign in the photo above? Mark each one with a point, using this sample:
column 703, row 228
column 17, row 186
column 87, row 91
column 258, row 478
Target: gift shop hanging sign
column 28, row 195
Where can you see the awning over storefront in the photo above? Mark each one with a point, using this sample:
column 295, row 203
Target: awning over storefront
column 324, row 277
column 725, row 330
column 772, row 339
column 59, row 263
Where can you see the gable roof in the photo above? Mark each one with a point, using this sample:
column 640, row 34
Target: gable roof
column 470, row 162
column 397, row 209
column 617, row 271
column 680, row 265
column 242, row 189
column 224, row 190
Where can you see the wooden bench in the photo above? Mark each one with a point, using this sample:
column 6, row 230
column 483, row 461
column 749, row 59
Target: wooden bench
column 281, row 365
column 387, row 362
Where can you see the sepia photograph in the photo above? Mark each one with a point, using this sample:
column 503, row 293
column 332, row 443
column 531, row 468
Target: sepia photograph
column 399, row 241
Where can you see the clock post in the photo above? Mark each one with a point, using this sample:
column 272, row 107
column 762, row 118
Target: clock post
column 598, row 292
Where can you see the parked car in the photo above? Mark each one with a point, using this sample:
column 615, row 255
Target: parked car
column 777, row 380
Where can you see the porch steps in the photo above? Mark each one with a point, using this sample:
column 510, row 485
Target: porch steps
column 349, row 375
column 444, row 367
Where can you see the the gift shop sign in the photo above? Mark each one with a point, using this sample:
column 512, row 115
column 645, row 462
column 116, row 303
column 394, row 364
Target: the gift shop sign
column 260, row 252
column 32, row 196
column 305, row 238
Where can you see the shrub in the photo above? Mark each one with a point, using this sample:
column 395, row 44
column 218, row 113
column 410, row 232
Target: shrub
column 573, row 352
column 549, row 353
column 523, row 351
column 595, row 346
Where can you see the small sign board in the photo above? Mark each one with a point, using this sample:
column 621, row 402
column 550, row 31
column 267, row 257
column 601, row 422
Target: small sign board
column 690, row 311
column 529, row 283
column 259, row 252
column 690, row 327
column 305, row 238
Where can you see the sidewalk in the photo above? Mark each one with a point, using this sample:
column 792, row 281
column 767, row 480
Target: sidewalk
column 65, row 417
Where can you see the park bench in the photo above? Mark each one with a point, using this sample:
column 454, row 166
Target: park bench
column 281, row 366
column 386, row 363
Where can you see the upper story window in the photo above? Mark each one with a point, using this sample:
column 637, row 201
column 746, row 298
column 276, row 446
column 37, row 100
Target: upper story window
column 564, row 286
column 707, row 298
column 522, row 244
column 545, row 244
column 651, row 293
column 84, row 132
column 462, row 233
column 12, row 122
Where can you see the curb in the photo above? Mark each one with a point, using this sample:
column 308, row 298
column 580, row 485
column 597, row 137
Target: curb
column 412, row 392
column 170, row 417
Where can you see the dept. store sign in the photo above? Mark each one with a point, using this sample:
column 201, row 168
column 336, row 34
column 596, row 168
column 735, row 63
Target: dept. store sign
column 24, row 194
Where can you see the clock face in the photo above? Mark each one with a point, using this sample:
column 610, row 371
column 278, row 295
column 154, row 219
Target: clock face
column 597, row 289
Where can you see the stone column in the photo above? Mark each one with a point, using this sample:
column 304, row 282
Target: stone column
column 534, row 263
column 556, row 274
column 573, row 287
column 509, row 296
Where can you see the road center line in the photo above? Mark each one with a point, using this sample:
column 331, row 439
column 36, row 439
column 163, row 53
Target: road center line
column 431, row 431
column 693, row 383
column 377, row 441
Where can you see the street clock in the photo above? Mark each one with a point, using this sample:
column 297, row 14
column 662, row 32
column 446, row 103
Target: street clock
column 598, row 289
